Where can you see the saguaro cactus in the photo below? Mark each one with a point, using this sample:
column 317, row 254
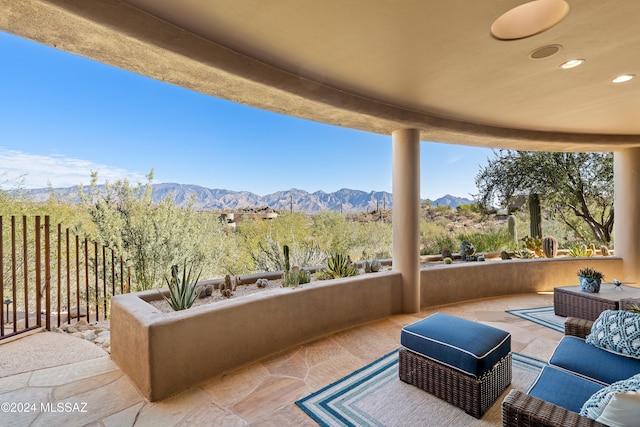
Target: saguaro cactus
column 535, row 216
column 287, row 265
column 513, row 228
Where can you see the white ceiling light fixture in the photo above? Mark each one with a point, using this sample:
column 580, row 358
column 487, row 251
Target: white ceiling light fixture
column 623, row 78
column 572, row 63
column 529, row 19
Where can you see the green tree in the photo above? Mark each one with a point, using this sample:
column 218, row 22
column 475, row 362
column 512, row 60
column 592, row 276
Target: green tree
column 578, row 187
column 152, row 237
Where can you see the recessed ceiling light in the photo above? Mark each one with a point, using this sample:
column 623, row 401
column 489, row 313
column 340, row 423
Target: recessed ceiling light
column 545, row 51
column 572, row 63
column 529, row 19
column 623, row 78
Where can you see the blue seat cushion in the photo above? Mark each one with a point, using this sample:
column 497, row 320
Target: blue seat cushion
column 575, row 355
column 468, row 346
column 562, row 388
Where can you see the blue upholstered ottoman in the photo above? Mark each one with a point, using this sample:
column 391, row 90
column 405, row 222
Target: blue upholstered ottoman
column 466, row 363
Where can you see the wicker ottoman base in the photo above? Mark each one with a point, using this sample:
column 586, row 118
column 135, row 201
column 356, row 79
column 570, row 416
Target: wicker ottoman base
column 472, row 394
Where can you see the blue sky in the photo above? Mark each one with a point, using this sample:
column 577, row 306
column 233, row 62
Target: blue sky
column 63, row 116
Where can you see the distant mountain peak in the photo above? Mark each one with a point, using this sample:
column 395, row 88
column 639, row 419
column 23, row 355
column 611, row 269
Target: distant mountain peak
column 450, row 200
column 345, row 199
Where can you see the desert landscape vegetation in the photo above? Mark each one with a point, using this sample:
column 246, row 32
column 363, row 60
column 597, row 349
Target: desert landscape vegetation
column 152, row 236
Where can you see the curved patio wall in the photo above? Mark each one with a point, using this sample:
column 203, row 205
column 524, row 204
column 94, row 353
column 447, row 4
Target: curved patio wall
column 165, row 353
column 446, row 284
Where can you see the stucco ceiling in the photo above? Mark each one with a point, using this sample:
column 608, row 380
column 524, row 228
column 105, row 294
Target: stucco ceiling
column 374, row 65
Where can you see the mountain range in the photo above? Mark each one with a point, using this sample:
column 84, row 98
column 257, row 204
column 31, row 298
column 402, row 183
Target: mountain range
column 345, row 200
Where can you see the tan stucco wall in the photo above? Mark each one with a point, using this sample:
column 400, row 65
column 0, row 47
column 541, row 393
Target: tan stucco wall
column 164, row 353
column 446, row 284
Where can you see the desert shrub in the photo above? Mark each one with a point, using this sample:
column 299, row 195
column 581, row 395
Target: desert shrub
column 151, row 236
column 489, row 240
column 269, row 256
column 295, row 277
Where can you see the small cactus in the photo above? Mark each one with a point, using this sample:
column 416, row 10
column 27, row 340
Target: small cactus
column 447, row 260
column 446, row 253
column 550, row 247
column 604, row 251
column 367, row 266
column 226, row 288
column 262, row 282
column 505, row 255
column 372, row 266
column 206, row 291
column 467, row 250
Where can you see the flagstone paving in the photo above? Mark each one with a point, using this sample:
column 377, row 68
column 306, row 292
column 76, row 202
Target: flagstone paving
column 95, row 392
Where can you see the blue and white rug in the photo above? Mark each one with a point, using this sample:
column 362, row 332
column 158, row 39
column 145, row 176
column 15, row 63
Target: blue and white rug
column 542, row 316
column 375, row 396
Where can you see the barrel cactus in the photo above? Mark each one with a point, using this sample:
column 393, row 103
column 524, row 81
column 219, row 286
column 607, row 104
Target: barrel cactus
column 550, row 247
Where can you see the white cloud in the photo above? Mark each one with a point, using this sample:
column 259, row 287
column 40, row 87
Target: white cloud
column 27, row 170
column 453, row 160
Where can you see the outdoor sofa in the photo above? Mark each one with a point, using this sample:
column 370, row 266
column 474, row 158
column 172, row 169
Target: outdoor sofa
column 579, row 371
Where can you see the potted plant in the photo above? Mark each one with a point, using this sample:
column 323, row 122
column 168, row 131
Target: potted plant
column 590, row 279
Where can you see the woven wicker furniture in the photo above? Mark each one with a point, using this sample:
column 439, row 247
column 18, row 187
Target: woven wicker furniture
column 523, row 410
column 570, row 301
column 464, row 363
column 471, row 394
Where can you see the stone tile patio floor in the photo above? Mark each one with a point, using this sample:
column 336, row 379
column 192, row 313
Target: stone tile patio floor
column 95, row 392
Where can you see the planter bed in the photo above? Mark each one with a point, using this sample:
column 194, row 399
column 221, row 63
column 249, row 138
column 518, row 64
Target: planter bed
column 165, row 353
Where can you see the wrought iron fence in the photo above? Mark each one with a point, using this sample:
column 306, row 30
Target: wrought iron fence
column 45, row 284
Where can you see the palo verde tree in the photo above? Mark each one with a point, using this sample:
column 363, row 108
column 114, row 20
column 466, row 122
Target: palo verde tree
column 578, row 187
column 152, row 236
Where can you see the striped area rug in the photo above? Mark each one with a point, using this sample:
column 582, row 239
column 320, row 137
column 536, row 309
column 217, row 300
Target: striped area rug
column 542, row 316
column 375, row 396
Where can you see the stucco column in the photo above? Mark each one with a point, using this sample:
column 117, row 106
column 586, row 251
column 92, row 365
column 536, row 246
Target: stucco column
column 626, row 205
column 406, row 215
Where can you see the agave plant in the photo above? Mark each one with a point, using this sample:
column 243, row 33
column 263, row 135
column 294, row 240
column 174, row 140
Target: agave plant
column 182, row 292
column 339, row 265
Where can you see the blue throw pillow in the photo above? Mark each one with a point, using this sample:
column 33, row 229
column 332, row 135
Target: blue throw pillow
column 615, row 405
column 617, row 331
